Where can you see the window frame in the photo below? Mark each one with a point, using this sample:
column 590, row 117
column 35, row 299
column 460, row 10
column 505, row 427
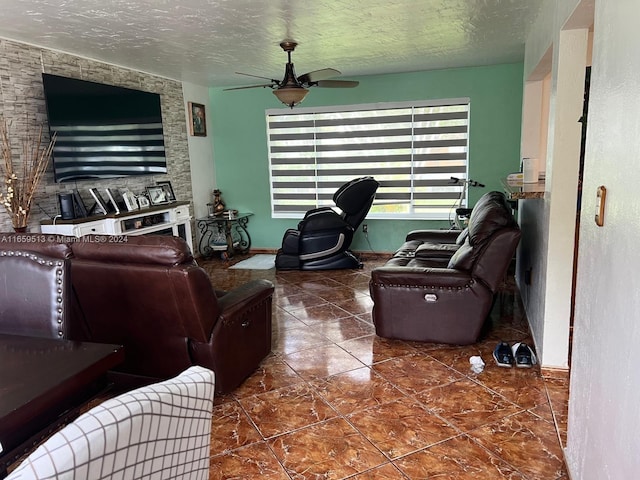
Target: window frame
column 458, row 190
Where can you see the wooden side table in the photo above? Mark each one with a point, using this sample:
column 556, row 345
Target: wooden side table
column 224, row 234
column 43, row 384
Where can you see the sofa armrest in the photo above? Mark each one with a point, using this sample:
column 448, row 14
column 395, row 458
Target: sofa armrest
column 420, row 277
column 241, row 336
column 233, row 303
column 433, row 236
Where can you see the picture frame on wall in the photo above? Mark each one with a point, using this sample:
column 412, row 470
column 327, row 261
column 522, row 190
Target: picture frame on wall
column 197, row 120
column 168, row 190
column 156, row 195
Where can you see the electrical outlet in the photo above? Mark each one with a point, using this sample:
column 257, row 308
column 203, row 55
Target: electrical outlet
column 365, row 228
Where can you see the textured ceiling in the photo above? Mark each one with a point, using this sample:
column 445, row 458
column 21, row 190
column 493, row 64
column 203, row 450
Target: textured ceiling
column 206, row 41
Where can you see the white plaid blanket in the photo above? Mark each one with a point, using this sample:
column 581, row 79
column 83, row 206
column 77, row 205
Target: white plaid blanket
column 160, row 431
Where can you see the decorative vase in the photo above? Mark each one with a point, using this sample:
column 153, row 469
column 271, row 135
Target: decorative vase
column 218, row 203
column 21, row 174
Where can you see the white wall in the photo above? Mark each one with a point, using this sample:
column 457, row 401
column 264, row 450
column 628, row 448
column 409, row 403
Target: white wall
column 563, row 158
column 532, row 119
column 203, row 179
column 555, row 59
column 604, row 423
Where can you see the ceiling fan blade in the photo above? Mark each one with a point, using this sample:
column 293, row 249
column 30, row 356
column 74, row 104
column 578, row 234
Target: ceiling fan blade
column 256, row 76
column 250, row 86
column 336, row 83
column 317, row 75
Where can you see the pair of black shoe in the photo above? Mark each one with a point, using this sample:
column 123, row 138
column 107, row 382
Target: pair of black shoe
column 520, row 354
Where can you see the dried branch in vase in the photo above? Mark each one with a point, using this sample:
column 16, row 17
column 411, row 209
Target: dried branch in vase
column 21, row 179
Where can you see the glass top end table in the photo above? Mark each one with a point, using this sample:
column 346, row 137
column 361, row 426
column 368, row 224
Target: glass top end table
column 224, row 234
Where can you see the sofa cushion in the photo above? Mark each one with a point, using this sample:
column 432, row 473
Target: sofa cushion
column 491, row 215
column 488, row 216
column 436, row 250
column 144, row 249
column 464, row 234
column 463, row 258
column 408, row 249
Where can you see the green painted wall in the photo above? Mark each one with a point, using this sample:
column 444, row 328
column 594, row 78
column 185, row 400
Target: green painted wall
column 240, row 141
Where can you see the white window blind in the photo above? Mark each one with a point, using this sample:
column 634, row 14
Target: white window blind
column 413, row 150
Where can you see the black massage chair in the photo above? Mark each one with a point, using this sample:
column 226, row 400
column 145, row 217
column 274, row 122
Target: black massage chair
column 324, row 235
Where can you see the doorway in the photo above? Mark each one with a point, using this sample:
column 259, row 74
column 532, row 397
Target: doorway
column 583, row 138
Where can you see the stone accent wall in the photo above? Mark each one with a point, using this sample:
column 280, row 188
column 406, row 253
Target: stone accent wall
column 22, row 104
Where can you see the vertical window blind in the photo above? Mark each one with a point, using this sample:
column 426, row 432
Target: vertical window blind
column 412, row 149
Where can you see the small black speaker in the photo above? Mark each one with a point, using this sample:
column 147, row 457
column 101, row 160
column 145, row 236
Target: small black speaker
column 67, row 209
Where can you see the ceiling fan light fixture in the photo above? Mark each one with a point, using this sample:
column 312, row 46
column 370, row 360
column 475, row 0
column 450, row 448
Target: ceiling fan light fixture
column 292, row 89
column 291, row 96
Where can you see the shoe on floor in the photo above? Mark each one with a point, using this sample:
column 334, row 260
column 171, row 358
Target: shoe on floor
column 503, row 355
column 524, row 356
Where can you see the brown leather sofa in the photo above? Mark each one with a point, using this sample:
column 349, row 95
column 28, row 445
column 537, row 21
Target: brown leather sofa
column 439, row 287
column 148, row 294
column 35, row 293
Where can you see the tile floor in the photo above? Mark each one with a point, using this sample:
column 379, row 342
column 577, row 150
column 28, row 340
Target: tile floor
column 334, row 401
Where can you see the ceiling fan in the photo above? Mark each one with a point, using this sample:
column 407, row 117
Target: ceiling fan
column 291, row 90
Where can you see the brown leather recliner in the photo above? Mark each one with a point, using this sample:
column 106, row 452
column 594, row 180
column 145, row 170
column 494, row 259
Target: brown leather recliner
column 416, row 298
column 35, row 292
column 148, row 294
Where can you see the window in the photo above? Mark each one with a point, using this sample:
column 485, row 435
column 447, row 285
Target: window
column 412, row 149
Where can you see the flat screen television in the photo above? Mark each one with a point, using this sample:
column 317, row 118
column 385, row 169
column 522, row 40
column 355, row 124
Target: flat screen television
column 103, row 131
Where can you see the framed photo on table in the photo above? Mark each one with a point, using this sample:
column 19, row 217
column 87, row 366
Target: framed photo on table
column 168, row 190
column 197, row 120
column 143, row 201
column 115, row 198
column 99, row 200
column 156, row 195
column 129, row 199
column 81, row 209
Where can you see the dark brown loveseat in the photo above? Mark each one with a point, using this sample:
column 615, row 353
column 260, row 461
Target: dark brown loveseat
column 148, row 294
column 440, row 286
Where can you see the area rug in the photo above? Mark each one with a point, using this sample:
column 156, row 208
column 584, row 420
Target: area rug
column 257, row 262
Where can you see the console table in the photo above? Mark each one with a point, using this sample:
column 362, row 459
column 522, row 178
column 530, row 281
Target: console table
column 225, row 234
column 44, row 381
column 170, row 219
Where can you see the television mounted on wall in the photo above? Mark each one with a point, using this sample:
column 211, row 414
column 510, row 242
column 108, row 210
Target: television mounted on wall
column 103, row 131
